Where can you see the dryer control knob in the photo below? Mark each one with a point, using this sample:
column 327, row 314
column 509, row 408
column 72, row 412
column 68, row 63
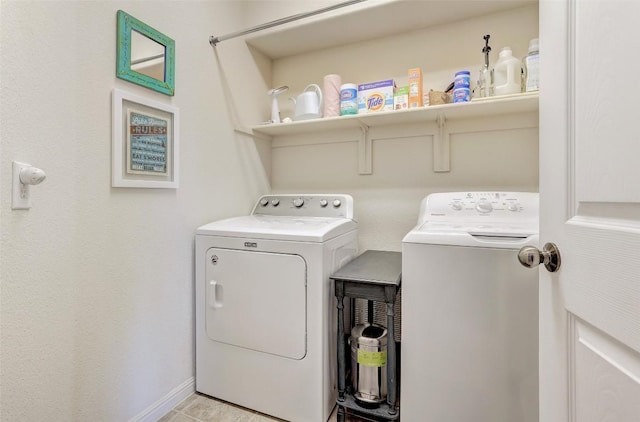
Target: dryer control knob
column 264, row 202
column 324, row 203
column 457, row 205
column 337, row 203
column 275, row 202
column 484, row 206
column 512, row 207
column 298, row 202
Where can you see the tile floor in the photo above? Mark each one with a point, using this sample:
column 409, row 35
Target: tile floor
column 200, row 408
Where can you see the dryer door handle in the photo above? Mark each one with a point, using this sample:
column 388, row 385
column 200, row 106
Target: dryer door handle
column 216, row 294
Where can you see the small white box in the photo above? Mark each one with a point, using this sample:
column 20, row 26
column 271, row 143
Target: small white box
column 401, row 98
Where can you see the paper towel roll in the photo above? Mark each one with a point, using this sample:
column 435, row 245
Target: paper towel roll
column 331, row 93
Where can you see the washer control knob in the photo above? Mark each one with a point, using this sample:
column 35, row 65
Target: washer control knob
column 298, row 202
column 324, row 203
column 275, row 202
column 484, row 206
column 512, row 207
column 264, row 202
column 457, row 205
column 337, row 203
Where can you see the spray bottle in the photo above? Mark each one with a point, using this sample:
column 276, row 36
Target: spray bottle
column 485, row 80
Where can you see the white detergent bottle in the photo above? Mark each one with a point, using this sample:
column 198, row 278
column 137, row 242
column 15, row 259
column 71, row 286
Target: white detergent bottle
column 507, row 73
column 531, row 68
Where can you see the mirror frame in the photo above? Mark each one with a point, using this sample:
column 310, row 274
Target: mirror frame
column 127, row 24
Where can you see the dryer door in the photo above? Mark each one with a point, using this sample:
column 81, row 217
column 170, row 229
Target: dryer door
column 257, row 301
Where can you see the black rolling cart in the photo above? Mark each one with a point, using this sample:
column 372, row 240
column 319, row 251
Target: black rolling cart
column 374, row 276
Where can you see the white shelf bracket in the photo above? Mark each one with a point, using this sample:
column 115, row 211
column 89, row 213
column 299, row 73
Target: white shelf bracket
column 365, row 159
column 441, row 160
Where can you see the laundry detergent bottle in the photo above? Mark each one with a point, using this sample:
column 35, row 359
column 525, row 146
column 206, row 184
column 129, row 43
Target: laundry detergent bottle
column 531, row 68
column 507, row 73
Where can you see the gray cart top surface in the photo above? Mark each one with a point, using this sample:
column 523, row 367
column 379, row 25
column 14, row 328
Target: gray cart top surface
column 375, row 267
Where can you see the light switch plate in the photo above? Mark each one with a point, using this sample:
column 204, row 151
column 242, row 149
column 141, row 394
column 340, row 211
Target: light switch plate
column 20, row 195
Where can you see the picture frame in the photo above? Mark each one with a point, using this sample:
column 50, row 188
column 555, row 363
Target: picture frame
column 145, row 142
column 138, row 59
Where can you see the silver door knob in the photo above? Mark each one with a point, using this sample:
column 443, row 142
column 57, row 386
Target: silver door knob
column 530, row 257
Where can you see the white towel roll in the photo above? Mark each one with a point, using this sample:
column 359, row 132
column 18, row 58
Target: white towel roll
column 331, row 93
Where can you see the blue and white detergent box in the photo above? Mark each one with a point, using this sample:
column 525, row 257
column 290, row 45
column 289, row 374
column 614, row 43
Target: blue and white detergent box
column 376, row 96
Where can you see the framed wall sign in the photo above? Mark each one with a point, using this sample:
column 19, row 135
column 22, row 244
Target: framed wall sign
column 145, row 143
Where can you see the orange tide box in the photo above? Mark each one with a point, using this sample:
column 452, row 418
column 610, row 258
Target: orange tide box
column 415, row 87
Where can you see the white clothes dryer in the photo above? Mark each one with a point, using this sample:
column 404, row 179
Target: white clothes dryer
column 470, row 310
column 265, row 309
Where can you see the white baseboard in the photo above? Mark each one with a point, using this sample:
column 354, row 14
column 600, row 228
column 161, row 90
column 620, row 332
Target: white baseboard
column 166, row 403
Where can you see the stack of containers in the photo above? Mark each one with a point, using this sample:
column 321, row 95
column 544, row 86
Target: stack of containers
column 461, row 87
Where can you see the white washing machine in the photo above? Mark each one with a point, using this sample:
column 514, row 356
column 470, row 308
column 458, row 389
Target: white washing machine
column 265, row 309
column 470, row 310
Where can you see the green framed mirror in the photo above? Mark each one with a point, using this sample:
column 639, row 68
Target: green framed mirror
column 145, row 56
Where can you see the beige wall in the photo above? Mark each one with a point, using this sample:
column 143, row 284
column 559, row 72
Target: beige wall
column 97, row 282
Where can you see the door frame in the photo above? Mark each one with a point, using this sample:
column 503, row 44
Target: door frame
column 556, row 198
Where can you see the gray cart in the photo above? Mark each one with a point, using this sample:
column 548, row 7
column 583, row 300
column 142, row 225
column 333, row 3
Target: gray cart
column 374, row 276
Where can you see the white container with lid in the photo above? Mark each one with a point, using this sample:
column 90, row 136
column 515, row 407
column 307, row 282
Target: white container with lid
column 507, row 73
column 348, row 99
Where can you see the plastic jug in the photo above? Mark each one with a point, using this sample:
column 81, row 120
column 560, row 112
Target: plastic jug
column 507, row 73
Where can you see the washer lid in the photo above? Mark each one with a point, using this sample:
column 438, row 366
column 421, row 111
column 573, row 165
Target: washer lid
column 301, row 229
column 493, row 235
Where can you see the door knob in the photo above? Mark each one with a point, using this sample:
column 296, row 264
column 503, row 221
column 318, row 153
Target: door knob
column 530, row 257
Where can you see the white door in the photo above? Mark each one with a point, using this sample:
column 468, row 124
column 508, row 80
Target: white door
column 590, row 207
column 257, row 301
